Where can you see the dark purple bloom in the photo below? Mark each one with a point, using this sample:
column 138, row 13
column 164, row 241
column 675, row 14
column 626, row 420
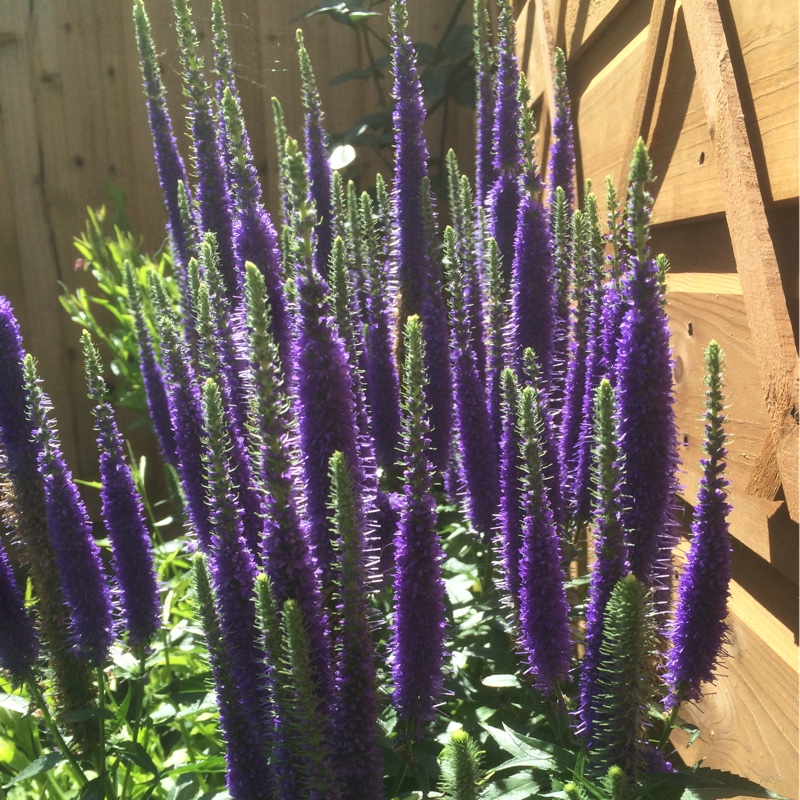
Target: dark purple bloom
column 418, row 632
column 699, row 629
column 326, row 410
column 186, row 414
column 287, row 557
column 381, row 381
column 27, row 515
column 505, row 193
column 610, row 563
column 644, row 389
column 213, row 199
column 359, row 761
column 319, row 168
column 543, row 614
column 233, row 574
column 477, row 444
column 562, row 150
column 153, row 379
column 485, row 173
column 19, row 645
column 124, row 516
column 254, row 234
column 532, row 284
column 168, row 158
column 409, row 247
column 245, row 761
column 83, row 584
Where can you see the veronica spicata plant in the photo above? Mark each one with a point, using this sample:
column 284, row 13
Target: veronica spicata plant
column 348, row 635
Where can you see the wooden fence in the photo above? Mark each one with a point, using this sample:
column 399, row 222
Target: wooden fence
column 712, row 87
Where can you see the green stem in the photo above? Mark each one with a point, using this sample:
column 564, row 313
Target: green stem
column 190, row 753
column 668, row 726
column 102, row 770
column 137, row 714
column 52, row 728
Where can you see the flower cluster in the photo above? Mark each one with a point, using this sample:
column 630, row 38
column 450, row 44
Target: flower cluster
column 517, row 367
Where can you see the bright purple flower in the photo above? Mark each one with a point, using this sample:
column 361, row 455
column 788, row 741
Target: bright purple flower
column 644, row 385
column 326, row 409
column 186, row 414
column 543, row 615
column 610, row 564
column 153, row 379
column 168, row 158
column 562, row 150
column 124, row 516
column 254, row 234
column 319, row 167
column 19, row 645
column 532, row 286
column 26, row 500
column 477, row 444
column 233, row 573
column 83, row 584
column 505, row 193
column 287, row 556
column 359, row 761
column 699, row 629
column 214, row 202
column 246, row 762
column 485, row 173
column 419, row 621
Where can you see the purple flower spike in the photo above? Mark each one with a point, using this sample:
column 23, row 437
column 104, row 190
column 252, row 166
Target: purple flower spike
column 410, row 249
column 326, row 410
column 562, row 275
column 359, row 760
column 485, row 173
column 699, row 630
column 124, row 516
column 562, row 151
column 153, row 379
column 475, row 437
column 19, row 645
column 497, row 313
column 644, row 384
column 418, row 633
column 610, row 563
column 505, row 193
column 319, row 167
column 543, row 614
column 214, row 201
column 532, row 284
column 255, row 238
column 168, row 159
column 83, row 583
column 287, row 555
column 186, row 414
column 233, row 574
column 27, row 515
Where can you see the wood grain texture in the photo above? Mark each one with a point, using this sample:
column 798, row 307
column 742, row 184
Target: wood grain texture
column 702, row 307
column 755, row 254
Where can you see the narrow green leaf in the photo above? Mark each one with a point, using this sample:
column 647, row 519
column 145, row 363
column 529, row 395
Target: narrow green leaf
column 42, row 764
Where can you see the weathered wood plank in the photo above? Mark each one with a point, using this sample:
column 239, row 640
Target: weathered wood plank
column 748, row 721
column 710, row 306
column 755, row 255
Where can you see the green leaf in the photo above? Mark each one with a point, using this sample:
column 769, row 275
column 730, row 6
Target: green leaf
column 13, row 702
column 702, row 784
column 134, row 753
column 501, row 681
column 42, row 764
column 94, row 790
column 212, row 764
column 515, row 787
